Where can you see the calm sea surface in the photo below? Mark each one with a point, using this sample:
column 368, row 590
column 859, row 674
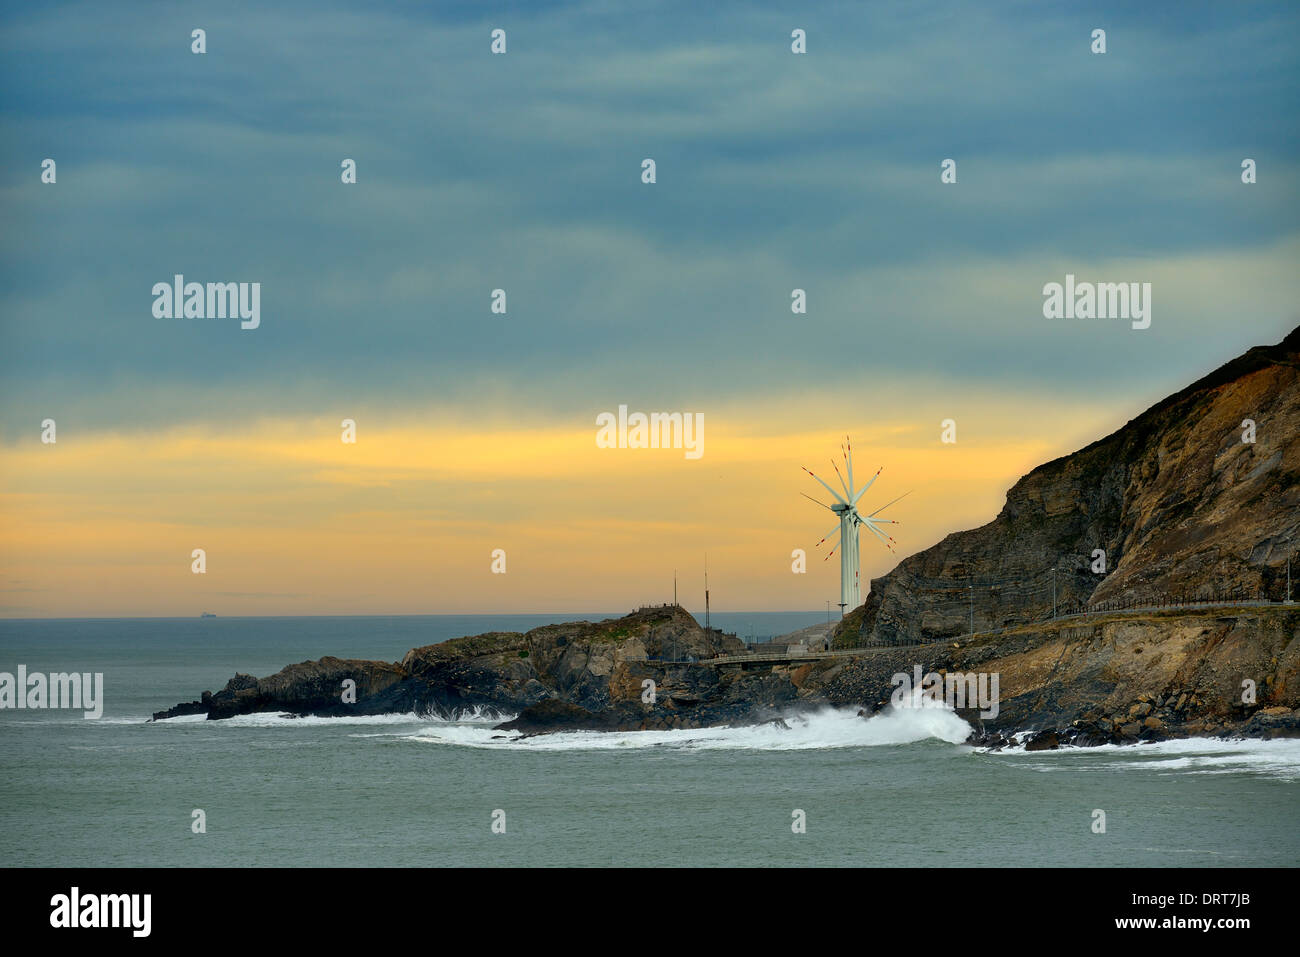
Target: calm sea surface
column 404, row 790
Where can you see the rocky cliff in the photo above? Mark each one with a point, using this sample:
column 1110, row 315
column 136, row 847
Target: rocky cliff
column 1110, row 678
column 1176, row 500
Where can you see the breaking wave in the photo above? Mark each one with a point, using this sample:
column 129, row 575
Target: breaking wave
column 826, row 728
column 271, row 719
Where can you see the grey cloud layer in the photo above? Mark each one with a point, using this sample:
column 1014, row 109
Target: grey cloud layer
column 522, row 171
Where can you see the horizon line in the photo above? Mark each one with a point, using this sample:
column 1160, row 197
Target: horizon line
column 4, row 618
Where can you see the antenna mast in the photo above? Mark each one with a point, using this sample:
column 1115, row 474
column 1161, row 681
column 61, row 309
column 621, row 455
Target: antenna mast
column 706, row 592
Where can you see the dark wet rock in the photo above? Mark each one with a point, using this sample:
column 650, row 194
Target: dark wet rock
column 186, row 708
column 1088, row 734
column 553, row 714
column 312, row 687
column 992, row 740
column 1044, row 741
column 1273, row 723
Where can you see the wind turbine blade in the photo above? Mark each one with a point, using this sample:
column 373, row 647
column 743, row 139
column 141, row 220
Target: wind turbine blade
column 827, row 535
column 867, row 486
column 875, row 523
column 829, row 554
column 847, row 493
column 887, row 504
column 879, row 536
column 849, row 459
column 834, row 493
column 811, row 499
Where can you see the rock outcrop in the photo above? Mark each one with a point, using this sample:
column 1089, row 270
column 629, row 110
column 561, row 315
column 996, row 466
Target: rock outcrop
column 595, row 667
column 312, row 687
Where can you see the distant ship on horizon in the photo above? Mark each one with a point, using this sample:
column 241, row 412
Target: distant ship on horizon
column 207, row 614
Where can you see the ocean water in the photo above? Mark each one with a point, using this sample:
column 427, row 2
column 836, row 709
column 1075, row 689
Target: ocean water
column 895, row 790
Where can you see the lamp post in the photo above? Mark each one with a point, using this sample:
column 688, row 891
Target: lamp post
column 972, row 606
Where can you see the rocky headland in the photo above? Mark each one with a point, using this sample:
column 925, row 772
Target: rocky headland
column 1195, row 504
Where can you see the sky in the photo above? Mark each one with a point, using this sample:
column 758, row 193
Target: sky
column 522, row 171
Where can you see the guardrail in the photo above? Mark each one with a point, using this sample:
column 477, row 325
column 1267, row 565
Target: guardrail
column 776, row 657
column 865, row 649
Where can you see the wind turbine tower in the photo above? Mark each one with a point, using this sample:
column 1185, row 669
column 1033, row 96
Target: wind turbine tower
column 850, row 520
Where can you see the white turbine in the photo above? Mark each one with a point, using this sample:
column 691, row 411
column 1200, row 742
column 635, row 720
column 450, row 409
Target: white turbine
column 850, row 519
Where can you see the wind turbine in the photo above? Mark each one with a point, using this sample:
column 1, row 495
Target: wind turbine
column 850, row 520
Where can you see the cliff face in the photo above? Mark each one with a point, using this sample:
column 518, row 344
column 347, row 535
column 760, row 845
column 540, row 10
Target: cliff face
column 1178, row 502
column 1111, row 678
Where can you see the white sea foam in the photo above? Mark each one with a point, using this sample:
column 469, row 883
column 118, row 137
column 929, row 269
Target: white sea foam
column 826, row 728
column 1279, row 757
column 823, row 729
column 272, row 719
column 268, row 719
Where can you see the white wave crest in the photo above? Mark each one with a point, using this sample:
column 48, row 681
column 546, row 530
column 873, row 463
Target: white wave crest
column 280, row 719
column 826, row 728
column 1279, row 757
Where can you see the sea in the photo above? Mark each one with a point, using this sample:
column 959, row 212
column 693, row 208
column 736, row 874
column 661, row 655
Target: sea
column 828, row 789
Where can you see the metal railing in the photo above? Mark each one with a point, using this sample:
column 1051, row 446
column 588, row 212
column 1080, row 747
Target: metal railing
column 1105, row 608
